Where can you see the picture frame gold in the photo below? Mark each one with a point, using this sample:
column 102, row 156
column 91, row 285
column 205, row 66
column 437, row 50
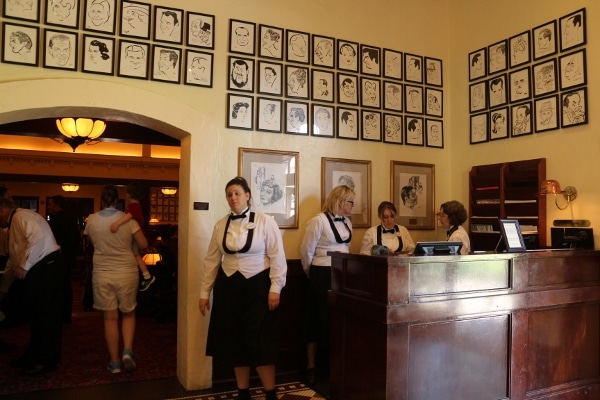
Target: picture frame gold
column 273, row 177
column 413, row 194
column 357, row 175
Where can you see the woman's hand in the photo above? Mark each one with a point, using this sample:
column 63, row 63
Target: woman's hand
column 273, row 301
column 204, row 305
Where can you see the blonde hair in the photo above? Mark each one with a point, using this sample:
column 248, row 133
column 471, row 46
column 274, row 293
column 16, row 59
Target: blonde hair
column 337, row 196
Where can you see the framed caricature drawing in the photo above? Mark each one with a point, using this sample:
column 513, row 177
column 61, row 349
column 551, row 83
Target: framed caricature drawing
column 20, row 44
column 241, row 37
column 168, row 25
column 63, row 13
column 270, row 41
column 99, row 16
column 199, row 68
column 200, row 30
column 133, row 59
column 98, row 54
column 135, row 19
column 166, row 64
column 60, row 49
column 23, row 10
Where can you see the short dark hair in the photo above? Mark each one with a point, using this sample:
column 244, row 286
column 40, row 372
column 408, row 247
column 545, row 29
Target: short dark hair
column 59, row 201
column 109, row 196
column 241, row 181
column 456, row 212
column 135, row 190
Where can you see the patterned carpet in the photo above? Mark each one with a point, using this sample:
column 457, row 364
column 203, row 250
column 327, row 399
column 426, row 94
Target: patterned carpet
column 85, row 358
column 287, row 391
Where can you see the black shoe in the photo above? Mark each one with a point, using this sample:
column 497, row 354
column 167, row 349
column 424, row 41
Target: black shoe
column 38, row 369
column 145, row 283
column 311, row 376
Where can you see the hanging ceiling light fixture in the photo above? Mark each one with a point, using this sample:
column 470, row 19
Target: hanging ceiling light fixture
column 79, row 131
column 169, row 191
column 70, row 187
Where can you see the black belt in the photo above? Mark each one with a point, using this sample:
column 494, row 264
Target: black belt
column 50, row 258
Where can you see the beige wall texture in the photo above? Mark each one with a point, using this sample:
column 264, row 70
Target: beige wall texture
column 443, row 29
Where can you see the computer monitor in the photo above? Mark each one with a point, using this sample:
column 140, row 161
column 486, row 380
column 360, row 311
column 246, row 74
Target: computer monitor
column 511, row 236
column 437, row 248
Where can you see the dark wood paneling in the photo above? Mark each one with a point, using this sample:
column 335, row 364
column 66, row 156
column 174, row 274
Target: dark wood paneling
column 488, row 326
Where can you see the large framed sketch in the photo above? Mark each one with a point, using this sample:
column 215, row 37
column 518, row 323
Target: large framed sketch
column 273, row 178
column 413, row 186
column 356, row 174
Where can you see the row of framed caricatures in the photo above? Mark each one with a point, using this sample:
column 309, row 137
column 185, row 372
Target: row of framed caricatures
column 513, row 95
column 67, row 49
column 329, row 121
column 308, row 74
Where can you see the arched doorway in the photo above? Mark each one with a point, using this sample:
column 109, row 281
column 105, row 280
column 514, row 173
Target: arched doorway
column 102, row 99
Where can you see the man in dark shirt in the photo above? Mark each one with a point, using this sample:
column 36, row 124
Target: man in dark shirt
column 66, row 232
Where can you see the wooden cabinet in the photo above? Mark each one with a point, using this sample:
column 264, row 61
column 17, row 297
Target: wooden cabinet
column 506, row 190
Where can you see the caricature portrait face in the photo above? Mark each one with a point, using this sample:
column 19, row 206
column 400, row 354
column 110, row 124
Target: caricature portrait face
column 60, row 49
column 544, row 38
column 370, row 92
column 434, row 132
column 270, row 75
column 520, row 85
column 322, row 119
column 269, row 113
column 135, row 18
column 296, row 119
column 371, row 125
column 166, row 61
column 348, row 122
column 298, row 46
column 240, row 111
column 99, row 12
column 546, row 113
column 239, row 73
column 323, row 51
column 348, row 88
column 347, row 56
column 392, row 128
column 200, row 68
column 242, row 36
column 168, row 23
column 135, row 56
column 414, row 129
column 20, row 42
column 61, row 9
column 293, row 84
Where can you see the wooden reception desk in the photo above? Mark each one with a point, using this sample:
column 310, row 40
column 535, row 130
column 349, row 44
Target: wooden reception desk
column 475, row 327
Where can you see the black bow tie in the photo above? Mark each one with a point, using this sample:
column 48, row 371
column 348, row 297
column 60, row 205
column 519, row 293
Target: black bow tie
column 339, row 219
column 383, row 230
column 237, row 216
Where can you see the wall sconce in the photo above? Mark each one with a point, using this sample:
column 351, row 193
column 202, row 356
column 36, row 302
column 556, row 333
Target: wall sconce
column 79, row 131
column 553, row 187
column 169, row 191
column 70, row 187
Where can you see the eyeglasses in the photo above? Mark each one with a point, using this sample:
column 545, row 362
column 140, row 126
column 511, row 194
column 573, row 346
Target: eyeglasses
column 351, row 202
column 441, row 214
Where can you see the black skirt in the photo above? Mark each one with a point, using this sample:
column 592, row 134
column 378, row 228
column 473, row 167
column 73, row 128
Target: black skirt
column 242, row 331
column 316, row 319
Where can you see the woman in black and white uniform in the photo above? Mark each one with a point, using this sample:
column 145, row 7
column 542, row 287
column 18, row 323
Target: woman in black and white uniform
column 395, row 237
column 246, row 269
column 329, row 230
